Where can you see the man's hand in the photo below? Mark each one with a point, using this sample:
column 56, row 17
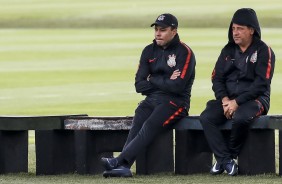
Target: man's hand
column 233, row 106
column 175, row 74
column 229, row 107
column 225, row 107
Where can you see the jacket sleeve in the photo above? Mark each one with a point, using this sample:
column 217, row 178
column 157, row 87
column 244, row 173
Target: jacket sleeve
column 264, row 72
column 186, row 64
column 218, row 78
column 141, row 84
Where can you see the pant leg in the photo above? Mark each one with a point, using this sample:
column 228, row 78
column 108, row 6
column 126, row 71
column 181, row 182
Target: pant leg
column 244, row 115
column 162, row 116
column 142, row 112
column 211, row 118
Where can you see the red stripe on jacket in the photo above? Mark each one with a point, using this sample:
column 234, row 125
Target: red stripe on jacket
column 261, row 109
column 268, row 64
column 185, row 68
column 173, row 116
column 213, row 74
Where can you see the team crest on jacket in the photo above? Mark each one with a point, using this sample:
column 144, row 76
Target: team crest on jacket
column 254, row 57
column 171, row 60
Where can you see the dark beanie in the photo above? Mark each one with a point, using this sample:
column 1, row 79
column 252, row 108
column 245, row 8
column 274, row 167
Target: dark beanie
column 245, row 17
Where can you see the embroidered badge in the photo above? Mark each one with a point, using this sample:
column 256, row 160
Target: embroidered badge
column 254, row 57
column 171, row 60
column 161, row 18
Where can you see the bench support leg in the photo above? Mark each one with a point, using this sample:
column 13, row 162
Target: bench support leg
column 13, row 151
column 54, row 152
column 158, row 156
column 258, row 153
column 92, row 145
column 280, row 152
column 192, row 153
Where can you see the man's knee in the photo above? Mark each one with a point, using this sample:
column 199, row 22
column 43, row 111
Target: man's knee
column 242, row 119
column 203, row 117
column 208, row 116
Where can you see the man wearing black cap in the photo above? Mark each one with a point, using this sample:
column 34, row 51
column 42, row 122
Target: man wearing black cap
column 241, row 83
column 165, row 76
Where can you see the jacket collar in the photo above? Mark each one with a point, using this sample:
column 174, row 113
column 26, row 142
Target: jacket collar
column 172, row 43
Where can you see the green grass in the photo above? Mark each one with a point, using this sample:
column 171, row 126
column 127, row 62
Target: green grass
column 65, row 71
column 129, row 13
column 161, row 178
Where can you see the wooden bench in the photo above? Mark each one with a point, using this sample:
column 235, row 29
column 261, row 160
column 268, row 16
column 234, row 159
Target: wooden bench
column 75, row 143
column 192, row 154
column 101, row 136
column 14, row 140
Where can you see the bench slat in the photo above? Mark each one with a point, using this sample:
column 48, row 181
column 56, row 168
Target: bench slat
column 187, row 123
column 262, row 122
column 34, row 122
column 99, row 123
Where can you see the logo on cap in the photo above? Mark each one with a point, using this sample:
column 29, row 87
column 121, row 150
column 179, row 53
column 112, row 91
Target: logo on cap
column 161, row 18
column 165, row 20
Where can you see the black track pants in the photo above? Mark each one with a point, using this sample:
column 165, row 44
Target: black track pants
column 223, row 148
column 152, row 117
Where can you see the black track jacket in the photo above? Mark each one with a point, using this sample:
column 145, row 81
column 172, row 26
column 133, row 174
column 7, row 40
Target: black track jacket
column 160, row 63
column 245, row 76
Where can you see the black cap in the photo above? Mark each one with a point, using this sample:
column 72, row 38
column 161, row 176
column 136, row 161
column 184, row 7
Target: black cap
column 166, row 20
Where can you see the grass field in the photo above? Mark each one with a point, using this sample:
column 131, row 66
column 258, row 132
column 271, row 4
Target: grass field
column 69, row 57
column 129, row 13
column 63, row 71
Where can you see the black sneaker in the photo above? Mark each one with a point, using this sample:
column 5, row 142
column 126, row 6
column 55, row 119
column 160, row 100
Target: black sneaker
column 231, row 168
column 109, row 163
column 120, row 171
column 216, row 169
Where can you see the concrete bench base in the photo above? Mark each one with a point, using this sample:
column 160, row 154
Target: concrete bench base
column 75, row 144
column 14, row 138
column 13, row 151
column 280, row 152
column 258, row 153
column 54, row 152
column 192, row 153
column 158, row 157
column 79, row 151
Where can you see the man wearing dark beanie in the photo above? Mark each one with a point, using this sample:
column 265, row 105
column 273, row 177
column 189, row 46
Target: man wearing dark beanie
column 241, row 83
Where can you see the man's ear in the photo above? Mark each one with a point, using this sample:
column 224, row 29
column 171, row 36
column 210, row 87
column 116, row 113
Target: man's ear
column 252, row 31
column 174, row 30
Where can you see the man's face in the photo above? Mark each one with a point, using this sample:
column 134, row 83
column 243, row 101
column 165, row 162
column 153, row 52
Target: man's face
column 164, row 35
column 242, row 35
